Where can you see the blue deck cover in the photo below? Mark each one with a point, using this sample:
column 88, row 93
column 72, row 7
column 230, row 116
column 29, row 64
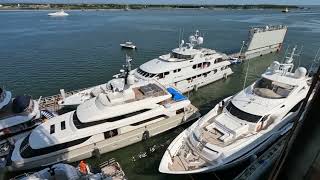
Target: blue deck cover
column 176, row 95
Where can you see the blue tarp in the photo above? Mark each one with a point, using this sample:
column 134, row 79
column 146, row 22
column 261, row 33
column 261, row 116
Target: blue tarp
column 176, row 95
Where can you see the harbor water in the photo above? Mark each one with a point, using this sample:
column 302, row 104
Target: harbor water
column 40, row 55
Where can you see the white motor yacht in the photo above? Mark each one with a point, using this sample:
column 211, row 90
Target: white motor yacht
column 186, row 68
column 128, row 45
column 59, row 13
column 126, row 113
column 241, row 125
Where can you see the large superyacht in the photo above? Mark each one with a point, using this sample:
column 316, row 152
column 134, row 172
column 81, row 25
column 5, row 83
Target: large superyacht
column 126, row 113
column 186, row 68
column 240, row 125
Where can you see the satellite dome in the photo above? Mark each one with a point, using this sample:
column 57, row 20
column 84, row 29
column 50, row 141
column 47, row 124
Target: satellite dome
column 300, row 72
column 192, row 39
column 130, row 79
column 275, row 65
column 20, row 103
column 200, row 40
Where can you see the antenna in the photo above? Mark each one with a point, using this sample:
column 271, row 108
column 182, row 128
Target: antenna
column 245, row 79
column 299, row 55
column 179, row 37
column 285, row 54
column 315, row 61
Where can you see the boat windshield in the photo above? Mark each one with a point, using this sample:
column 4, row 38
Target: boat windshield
column 272, row 90
column 232, row 109
column 181, row 56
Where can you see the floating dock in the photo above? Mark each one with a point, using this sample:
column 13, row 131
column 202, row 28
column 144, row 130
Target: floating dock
column 261, row 41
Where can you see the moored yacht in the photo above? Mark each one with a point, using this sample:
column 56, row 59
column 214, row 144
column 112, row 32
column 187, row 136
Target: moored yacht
column 241, row 125
column 126, row 113
column 186, row 68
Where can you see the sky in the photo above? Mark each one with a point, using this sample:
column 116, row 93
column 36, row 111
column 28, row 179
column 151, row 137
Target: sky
column 293, row 2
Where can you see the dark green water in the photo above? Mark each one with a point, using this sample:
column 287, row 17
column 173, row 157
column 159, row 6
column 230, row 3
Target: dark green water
column 39, row 55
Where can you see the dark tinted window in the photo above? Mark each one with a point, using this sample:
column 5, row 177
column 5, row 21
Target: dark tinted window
column 63, row 125
column 147, row 120
column 80, row 125
column 110, row 134
column 27, row 152
column 52, row 129
column 241, row 114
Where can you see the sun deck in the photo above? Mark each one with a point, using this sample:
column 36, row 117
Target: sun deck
column 150, row 90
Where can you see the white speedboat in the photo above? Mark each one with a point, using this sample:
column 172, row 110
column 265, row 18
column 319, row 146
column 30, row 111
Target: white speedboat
column 241, row 125
column 127, row 113
column 128, row 45
column 186, row 68
column 286, row 10
column 59, row 13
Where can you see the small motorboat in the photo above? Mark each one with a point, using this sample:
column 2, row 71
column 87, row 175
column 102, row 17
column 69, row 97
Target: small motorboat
column 285, row 10
column 59, row 13
column 129, row 45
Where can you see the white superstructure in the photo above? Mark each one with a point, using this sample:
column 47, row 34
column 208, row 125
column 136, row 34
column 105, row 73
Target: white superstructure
column 59, row 13
column 126, row 113
column 186, row 68
column 241, row 125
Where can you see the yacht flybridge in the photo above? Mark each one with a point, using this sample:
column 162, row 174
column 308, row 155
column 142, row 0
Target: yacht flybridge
column 241, row 125
column 126, row 113
column 185, row 68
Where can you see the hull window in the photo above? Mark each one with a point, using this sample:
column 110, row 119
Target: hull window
column 148, row 120
column 179, row 111
column 79, row 125
column 110, row 134
column 27, row 152
column 63, row 125
column 52, row 129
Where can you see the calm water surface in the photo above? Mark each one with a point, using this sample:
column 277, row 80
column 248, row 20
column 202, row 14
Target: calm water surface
column 40, row 54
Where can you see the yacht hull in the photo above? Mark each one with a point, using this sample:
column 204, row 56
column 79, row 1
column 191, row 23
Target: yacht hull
column 107, row 145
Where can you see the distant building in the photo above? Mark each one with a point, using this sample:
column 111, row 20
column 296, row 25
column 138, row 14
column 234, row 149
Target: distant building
column 1, row 5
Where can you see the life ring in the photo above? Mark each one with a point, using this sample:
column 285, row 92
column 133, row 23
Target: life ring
column 145, row 135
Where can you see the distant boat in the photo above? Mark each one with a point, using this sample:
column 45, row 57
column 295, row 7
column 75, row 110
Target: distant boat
column 285, row 10
column 59, row 13
column 128, row 44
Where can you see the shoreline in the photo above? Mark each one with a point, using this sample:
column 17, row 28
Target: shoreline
column 30, row 6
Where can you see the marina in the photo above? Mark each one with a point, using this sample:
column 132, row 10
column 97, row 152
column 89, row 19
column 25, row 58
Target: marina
column 140, row 74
